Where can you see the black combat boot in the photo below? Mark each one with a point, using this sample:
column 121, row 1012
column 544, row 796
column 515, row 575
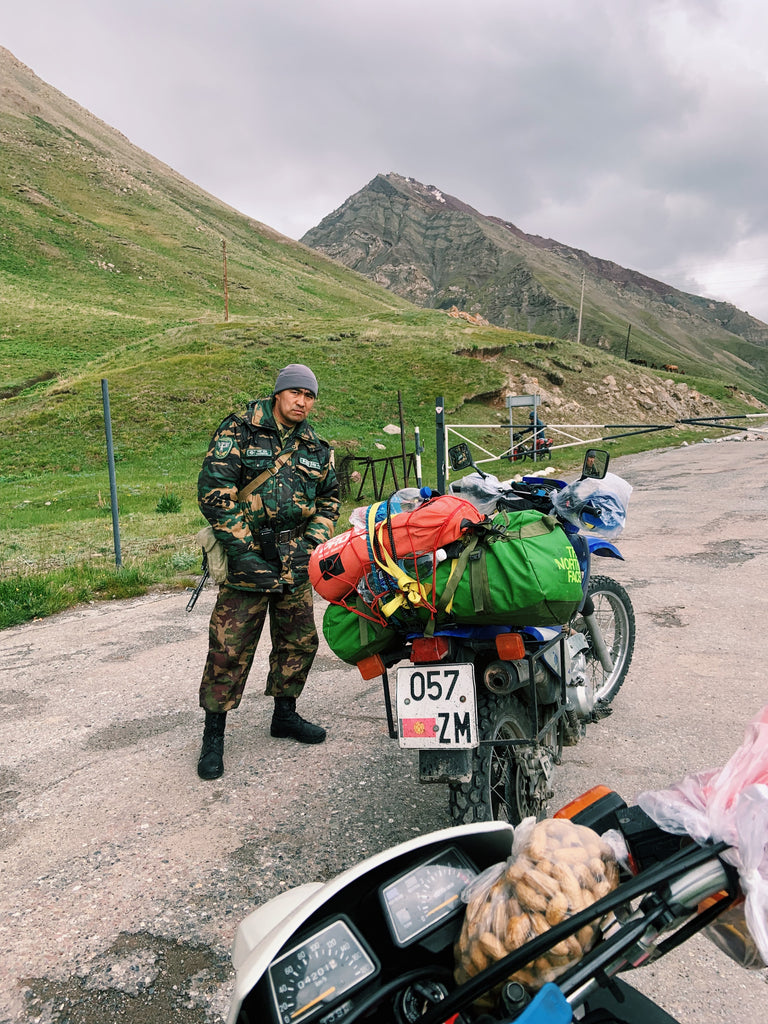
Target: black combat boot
column 288, row 724
column 211, row 763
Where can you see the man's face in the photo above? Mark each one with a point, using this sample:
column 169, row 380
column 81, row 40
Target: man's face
column 292, row 406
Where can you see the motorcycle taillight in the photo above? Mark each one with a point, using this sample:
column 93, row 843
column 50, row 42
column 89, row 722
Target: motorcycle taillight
column 430, row 648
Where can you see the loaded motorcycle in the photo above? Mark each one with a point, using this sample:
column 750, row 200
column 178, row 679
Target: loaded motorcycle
column 391, row 939
column 490, row 707
column 535, row 449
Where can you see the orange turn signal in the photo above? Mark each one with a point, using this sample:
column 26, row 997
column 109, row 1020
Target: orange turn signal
column 371, row 667
column 717, row 897
column 585, row 800
column 510, row 646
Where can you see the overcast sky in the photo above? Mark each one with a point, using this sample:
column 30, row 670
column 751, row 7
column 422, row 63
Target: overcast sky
column 634, row 129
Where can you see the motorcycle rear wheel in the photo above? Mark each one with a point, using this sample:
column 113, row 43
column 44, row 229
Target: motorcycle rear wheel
column 500, row 788
column 614, row 613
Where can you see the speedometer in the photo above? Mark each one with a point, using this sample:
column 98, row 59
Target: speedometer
column 313, row 976
column 427, row 895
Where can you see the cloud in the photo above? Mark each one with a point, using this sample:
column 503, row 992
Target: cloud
column 631, row 130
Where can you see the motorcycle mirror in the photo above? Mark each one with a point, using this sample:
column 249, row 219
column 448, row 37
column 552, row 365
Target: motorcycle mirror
column 595, row 464
column 460, row 457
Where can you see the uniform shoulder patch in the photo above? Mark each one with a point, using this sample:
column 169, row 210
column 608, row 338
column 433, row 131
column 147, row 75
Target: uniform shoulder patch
column 223, row 447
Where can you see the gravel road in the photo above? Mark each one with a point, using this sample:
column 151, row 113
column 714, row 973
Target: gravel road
column 124, row 876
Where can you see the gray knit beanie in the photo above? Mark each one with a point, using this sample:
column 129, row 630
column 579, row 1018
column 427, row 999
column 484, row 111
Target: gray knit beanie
column 296, row 375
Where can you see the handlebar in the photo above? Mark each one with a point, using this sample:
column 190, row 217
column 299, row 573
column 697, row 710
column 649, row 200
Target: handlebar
column 412, row 971
column 614, row 953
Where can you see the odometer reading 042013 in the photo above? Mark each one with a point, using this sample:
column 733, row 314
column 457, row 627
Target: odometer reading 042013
column 313, row 976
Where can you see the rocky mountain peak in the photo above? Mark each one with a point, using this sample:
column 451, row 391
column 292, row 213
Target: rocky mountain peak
column 435, row 250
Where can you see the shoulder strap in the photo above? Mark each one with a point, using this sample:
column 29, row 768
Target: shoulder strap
column 458, row 568
column 474, row 556
column 280, row 461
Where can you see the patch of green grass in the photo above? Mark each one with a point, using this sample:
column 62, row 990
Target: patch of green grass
column 168, row 502
column 35, row 596
column 111, row 269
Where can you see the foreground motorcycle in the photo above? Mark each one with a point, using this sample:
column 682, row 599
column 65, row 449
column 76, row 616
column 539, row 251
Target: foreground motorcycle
column 414, row 935
column 490, row 707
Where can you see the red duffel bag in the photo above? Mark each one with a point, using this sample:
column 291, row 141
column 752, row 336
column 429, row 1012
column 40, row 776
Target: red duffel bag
column 336, row 567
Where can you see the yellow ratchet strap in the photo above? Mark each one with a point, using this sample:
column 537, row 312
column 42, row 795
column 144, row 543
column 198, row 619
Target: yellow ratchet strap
column 411, row 591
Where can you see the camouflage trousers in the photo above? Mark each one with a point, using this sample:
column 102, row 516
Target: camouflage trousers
column 235, row 628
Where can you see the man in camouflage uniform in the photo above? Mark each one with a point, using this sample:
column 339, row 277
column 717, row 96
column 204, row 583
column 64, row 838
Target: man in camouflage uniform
column 268, row 537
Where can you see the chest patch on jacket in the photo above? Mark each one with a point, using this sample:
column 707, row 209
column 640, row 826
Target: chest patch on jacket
column 309, row 463
column 255, row 453
column 223, row 447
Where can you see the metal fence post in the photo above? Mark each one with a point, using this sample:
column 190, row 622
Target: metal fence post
column 440, row 444
column 419, row 450
column 112, row 481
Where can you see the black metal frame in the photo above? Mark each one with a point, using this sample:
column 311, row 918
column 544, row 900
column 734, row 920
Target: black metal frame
column 390, row 463
column 541, row 730
column 388, row 706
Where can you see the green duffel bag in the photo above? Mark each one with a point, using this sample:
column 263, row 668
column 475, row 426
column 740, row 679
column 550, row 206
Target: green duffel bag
column 522, row 572
column 353, row 637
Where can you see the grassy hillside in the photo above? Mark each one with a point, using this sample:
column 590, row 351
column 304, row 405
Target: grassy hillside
column 96, row 257
column 168, row 392
column 111, row 268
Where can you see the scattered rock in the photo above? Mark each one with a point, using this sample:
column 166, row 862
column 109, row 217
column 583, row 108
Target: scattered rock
column 461, row 314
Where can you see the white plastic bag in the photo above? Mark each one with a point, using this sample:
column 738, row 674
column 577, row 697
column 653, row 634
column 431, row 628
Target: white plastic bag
column 729, row 805
column 595, row 506
column 483, row 491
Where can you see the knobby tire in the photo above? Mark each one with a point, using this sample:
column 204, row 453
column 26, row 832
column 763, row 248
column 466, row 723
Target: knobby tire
column 616, row 616
column 496, row 790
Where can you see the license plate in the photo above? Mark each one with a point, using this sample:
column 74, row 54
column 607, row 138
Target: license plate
column 436, row 707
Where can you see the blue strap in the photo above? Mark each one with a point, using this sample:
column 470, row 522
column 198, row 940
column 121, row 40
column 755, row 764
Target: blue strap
column 548, row 1006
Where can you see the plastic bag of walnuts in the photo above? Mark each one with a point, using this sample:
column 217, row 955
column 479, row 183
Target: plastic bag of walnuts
column 556, row 869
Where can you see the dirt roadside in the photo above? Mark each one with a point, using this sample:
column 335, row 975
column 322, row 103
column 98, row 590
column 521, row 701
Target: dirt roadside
column 124, row 876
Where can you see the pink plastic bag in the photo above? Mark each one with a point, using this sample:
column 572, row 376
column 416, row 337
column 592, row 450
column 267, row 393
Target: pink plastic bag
column 728, row 804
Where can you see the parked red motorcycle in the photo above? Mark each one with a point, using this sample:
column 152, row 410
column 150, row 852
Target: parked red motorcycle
column 542, row 449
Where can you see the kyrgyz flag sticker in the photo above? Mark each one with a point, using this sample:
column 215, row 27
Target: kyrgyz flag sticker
column 413, row 728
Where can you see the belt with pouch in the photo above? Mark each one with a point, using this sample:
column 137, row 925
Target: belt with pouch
column 283, row 536
column 272, row 540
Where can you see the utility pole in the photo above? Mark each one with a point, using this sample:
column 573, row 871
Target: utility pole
column 581, row 306
column 226, row 285
column 626, row 347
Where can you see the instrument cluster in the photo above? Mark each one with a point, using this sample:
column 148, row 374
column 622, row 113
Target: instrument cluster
column 331, row 968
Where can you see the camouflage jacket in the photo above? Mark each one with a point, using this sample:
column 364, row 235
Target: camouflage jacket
column 301, row 499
